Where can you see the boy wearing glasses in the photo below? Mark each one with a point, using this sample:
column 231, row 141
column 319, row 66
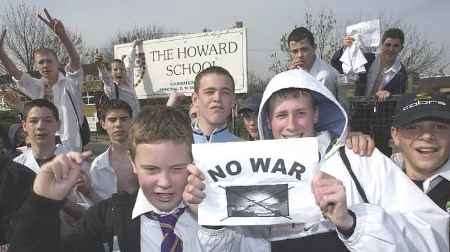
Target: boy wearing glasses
column 421, row 131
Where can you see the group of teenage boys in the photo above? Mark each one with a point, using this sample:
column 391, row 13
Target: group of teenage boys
column 369, row 204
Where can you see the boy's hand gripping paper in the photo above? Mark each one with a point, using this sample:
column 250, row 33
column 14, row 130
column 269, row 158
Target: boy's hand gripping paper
column 258, row 183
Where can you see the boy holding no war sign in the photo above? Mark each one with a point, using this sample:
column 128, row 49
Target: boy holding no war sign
column 368, row 203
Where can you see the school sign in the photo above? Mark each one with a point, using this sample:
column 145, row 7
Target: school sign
column 170, row 64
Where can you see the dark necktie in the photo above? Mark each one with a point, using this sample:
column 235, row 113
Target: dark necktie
column 116, row 89
column 171, row 242
column 440, row 194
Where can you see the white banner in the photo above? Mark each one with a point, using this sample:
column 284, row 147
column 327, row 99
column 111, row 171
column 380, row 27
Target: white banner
column 170, row 64
column 366, row 33
column 258, row 183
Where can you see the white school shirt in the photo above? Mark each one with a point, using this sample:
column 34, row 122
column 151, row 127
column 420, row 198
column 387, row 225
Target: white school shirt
column 325, row 74
column 102, row 175
column 388, row 74
column 69, row 131
column 27, row 158
column 195, row 238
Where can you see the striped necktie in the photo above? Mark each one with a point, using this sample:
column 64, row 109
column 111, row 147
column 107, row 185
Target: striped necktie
column 171, row 242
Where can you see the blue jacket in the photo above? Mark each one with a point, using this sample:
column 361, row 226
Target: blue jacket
column 219, row 135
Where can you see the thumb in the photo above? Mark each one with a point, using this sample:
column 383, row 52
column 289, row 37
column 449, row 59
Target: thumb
column 78, row 158
column 192, row 207
column 318, row 176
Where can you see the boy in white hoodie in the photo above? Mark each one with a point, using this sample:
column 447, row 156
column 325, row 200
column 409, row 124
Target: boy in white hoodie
column 367, row 202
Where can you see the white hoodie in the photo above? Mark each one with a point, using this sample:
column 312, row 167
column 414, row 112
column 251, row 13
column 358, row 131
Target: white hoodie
column 399, row 217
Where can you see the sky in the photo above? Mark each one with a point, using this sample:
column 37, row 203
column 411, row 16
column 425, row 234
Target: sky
column 266, row 21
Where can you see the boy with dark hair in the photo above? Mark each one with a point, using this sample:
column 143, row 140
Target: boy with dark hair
column 301, row 33
column 214, row 98
column 64, row 91
column 385, row 75
column 302, row 50
column 394, row 33
column 119, row 83
column 41, row 121
column 112, row 171
column 154, row 219
column 117, row 104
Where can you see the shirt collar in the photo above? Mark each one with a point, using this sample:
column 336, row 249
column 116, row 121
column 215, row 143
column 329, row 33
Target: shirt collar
column 59, row 149
column 104, row 161
column 431, row 182
column 395, row 68
column 142, row 206
column 196, row 128
column 324, row 140
column 315, row 66
column 61, row 77
column 443, row 172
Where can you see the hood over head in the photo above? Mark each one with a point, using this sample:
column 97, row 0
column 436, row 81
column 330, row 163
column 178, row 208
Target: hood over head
column 332, row 117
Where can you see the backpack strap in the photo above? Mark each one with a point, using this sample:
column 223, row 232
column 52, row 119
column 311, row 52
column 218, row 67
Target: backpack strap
column 74, row 109
column 349, row 169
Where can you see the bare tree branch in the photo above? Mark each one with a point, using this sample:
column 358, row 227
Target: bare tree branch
column 145, row 32
column 419, row 55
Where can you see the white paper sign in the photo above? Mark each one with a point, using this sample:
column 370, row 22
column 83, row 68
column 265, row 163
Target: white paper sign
column 171, row 64
column 258, row 183
column 366, row 33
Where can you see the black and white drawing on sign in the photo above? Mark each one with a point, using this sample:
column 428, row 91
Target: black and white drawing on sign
column 258, row 201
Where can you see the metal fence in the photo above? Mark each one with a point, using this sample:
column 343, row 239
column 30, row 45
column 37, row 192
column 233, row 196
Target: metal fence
column 373, row 118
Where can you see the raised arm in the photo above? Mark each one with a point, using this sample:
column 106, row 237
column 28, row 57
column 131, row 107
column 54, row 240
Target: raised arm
column 130, row 60
column 58, row 27
column 103, row 73
column 6, row 61
column 41, row 212
column 131, row 57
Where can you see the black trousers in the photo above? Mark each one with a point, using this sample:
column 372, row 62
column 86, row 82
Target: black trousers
column 324, row 242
